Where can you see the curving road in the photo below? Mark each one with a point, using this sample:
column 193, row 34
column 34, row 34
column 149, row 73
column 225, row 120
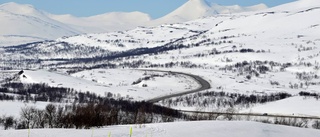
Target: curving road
column 204, row 85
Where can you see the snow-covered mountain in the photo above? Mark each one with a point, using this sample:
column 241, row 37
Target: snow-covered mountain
column 191, row 10
column 114, row 21
column 195, row 9
column 24, row 23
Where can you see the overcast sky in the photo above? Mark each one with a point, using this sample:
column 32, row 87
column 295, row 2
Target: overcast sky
column 155, row 8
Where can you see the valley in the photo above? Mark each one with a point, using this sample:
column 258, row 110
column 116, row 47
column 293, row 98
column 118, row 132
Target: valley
column 229, row 65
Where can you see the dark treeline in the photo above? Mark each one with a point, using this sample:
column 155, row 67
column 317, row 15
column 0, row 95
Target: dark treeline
column 41, row 92
column 308, row 94
column 87, row 115
column 85, row 110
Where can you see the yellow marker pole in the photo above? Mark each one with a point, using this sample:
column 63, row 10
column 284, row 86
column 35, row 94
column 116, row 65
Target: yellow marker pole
column 92, row 132
column 109, row 134
column 28, row 132
column 130, row 131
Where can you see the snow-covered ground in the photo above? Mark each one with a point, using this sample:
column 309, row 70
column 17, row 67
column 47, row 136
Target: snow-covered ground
column 116, row 81
column 177, row 129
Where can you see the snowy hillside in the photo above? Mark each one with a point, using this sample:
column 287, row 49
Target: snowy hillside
column 177, row 129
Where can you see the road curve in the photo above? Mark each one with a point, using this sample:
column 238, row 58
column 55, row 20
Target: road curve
column 204, row 85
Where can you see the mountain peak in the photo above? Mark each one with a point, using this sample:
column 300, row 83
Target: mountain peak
column 203, row 3
column 192, row 9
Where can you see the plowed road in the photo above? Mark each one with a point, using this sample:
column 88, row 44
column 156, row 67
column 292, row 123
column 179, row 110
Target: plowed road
column 204, row 85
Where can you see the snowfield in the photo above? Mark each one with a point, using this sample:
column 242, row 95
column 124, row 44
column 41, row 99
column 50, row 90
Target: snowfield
column 177, row 129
